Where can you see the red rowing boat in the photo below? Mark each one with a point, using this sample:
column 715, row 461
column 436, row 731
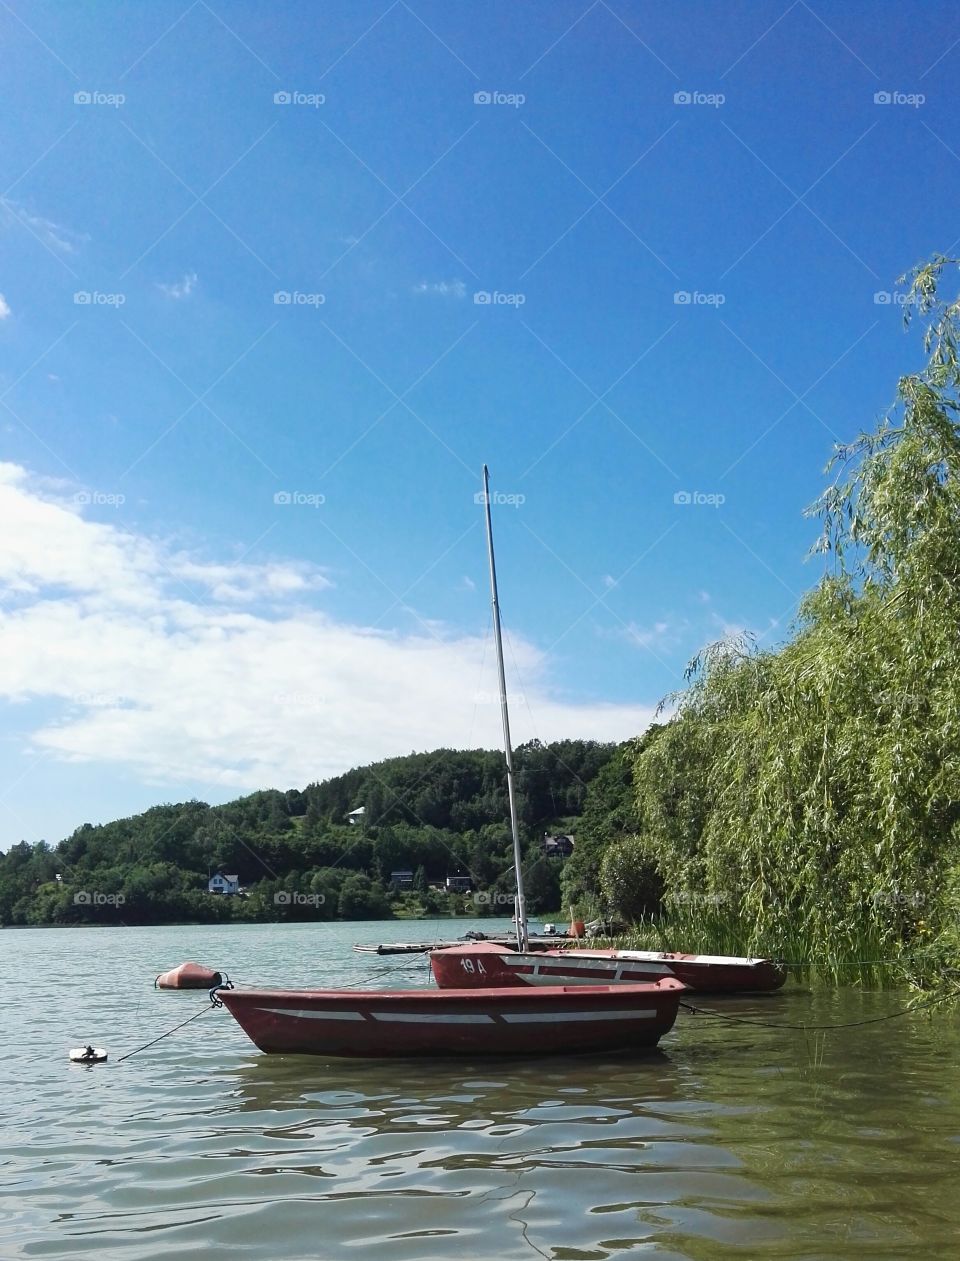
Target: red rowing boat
column 511, row 1021
column 484, row 964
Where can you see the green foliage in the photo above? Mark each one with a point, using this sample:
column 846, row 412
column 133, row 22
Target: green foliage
column 631, row 884
column 609, row 815
column 435, row 814
column 814, row 792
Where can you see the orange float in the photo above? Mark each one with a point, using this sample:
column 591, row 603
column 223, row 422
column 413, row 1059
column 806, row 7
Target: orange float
column 188, row 976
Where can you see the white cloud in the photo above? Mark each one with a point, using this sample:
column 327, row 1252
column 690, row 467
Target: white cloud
column 188, row 671
column 442, row 288
column 54, row 235
column 4, row 307
column 649, row 636
column 180, row 288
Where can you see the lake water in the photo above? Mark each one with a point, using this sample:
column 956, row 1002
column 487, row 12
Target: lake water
column 733, row 1141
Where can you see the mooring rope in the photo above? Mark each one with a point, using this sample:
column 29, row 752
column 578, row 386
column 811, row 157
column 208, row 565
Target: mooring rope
column 846, row 1024
column 210, row 1006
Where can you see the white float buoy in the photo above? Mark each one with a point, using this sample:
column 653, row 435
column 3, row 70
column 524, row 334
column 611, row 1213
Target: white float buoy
column 87, row 1054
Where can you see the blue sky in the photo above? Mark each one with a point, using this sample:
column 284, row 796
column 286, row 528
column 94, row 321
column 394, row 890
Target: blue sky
column 241, row 547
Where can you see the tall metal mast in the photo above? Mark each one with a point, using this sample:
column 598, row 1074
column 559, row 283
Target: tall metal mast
column 521, row 908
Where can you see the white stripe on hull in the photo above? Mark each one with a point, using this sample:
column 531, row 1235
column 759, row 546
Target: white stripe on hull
column 302, row 1013
column 553, row 971
column 427, row 1018
column 562, row 978
column 542, row 1017
column 467, row 1018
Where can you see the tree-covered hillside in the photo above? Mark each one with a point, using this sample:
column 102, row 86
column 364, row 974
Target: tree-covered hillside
column 434, row 814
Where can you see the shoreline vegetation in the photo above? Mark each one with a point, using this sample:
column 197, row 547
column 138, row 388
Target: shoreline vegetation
column 801, row 802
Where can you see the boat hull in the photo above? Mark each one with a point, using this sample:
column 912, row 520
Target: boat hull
column 483, row 964
column 512, row 1021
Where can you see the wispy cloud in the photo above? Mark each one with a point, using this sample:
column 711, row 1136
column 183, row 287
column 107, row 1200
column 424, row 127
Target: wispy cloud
column 4, row 307
column 231, row 674
column 180, row 288
column 55, row 235
column 648, row 636
column 442, row 288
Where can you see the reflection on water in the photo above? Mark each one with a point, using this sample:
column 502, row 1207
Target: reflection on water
column 733, row 1141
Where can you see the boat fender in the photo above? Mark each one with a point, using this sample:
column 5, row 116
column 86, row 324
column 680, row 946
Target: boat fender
column 87, row 1054
column 188, row 976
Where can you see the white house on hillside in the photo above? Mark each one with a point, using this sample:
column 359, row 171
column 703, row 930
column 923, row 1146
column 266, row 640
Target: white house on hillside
column 223, row 884
column 356, row 816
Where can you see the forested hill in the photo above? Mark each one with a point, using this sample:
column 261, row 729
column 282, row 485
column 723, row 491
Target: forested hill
column 434, row 814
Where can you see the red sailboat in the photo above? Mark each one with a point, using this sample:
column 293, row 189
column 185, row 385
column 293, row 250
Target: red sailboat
column 514, row 1020
column 483, row 963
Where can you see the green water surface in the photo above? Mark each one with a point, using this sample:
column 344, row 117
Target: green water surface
column 732, row 1141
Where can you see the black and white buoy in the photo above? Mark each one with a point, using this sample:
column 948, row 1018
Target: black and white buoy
column 87, row 1055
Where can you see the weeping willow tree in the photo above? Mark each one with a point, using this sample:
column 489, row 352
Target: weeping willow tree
column 814, row 791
